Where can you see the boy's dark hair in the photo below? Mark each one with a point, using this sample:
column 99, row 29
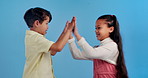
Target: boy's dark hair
column 36, row 14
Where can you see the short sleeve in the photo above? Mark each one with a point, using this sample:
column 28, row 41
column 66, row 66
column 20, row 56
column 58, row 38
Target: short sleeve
column 43, row 44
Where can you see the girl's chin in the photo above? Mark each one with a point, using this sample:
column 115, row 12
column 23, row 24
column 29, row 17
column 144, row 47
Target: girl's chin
column 99, row 39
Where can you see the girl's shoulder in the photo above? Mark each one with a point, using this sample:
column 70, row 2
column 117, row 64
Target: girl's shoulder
column 111, row 44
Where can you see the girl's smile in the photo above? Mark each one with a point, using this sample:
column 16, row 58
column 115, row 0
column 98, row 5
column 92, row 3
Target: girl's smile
column 102, row 29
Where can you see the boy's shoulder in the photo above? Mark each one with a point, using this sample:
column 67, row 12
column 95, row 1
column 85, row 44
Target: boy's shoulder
column 32, row 36
column 30, row 32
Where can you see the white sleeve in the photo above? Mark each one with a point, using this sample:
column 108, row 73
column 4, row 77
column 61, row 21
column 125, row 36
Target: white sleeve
column 76, row 53
column 102, row 52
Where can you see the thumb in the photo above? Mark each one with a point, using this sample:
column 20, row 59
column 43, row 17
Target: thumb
column 66, row 26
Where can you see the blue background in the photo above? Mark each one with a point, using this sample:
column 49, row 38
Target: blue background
column 132, row 16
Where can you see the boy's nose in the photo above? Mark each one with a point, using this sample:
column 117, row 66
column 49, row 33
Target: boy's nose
column 96, row 30
column 47, row 27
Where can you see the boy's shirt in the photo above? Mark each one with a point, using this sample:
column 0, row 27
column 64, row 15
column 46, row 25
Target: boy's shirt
column 38, row 58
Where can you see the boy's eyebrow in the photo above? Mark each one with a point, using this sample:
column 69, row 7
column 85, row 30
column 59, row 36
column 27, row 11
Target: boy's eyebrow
column 98, row 25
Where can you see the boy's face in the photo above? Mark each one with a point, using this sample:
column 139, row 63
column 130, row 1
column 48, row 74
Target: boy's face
column 43, row 27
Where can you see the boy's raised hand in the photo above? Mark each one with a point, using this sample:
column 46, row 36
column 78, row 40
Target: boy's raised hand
column 62, row 40
column 66, row 26
column 71, row 24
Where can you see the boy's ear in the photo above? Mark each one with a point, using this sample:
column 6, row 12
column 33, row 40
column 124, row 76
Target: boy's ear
column 111, row 29
column 36, row 23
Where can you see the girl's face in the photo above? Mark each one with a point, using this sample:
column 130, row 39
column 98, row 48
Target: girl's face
column 102, row 29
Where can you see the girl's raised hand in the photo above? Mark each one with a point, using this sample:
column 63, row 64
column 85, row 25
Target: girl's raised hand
column 75, row 30
column 72, row 23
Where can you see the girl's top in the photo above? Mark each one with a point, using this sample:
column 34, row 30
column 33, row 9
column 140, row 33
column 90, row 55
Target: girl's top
column 104, row 56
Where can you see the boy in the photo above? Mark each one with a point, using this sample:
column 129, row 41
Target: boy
column 38, row 48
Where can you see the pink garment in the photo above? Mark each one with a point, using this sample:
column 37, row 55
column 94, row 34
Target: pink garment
column 103, row 69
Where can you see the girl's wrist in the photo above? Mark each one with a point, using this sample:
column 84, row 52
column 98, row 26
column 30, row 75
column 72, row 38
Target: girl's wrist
column 78, row 36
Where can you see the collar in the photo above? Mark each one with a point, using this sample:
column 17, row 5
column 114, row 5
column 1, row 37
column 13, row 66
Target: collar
column 106, row 40
column 30, row 32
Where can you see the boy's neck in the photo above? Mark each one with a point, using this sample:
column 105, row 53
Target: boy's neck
column 33, row 29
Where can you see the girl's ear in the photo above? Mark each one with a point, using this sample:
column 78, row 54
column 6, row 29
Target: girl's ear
column 36, row 23
column 111, row 29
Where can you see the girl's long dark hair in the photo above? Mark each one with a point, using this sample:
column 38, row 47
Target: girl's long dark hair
column 116, row 37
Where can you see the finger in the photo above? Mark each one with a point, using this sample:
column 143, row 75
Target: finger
column 74, row 21
column 67, row 23
column 74, row 26
column 74, row 18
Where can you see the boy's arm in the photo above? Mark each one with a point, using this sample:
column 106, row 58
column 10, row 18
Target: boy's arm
column 64, row 37
column 53, row 53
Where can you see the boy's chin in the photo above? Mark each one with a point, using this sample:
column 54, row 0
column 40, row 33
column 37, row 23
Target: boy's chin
column 44, row 33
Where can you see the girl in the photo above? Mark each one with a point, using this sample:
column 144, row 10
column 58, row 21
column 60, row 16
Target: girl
column 108, row 57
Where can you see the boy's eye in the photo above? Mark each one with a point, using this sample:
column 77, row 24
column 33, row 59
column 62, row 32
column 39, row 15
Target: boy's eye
column 98, row 28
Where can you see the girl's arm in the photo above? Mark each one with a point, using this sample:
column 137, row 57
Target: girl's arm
column 104, row 52
column 76, row 53
column 108, row 52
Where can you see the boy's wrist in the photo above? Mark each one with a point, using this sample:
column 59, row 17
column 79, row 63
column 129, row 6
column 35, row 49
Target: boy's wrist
column 70, row 37
column 69, row 31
